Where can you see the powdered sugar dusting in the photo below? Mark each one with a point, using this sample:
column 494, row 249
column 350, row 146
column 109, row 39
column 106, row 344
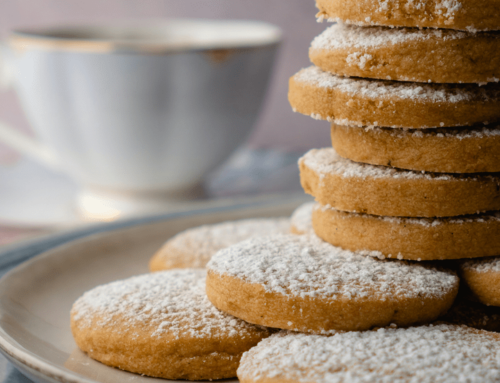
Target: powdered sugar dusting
column 412, row 13
column 171, row 302
column 482, row 265
column 480, row 218
column 343, row 35
column 197, row 245
column 302, row 218
column 446, row 9
column 427, row 354
column 388, row 90
column 458, row 134
column 326, row 161
column 359, row 59
column 321, row 16
column 305, row 266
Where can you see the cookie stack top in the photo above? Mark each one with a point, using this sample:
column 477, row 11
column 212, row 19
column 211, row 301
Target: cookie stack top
column 413, row 115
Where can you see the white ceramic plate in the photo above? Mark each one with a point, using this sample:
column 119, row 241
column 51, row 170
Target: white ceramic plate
column 36, row 297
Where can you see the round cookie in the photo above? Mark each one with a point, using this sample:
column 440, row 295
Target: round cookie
column 464, row 150
column 194, row 247
column 483, row 279
column 473, row 314
column 162, row 325
column 408, row 54
column 470, row 15
column 429, row 354
column 416, row 239
column 301, row 220
column 356, row 187
column 301, row 283
column 361, row 102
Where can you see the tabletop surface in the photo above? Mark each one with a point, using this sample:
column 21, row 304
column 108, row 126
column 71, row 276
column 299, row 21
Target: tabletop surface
column 8, row 374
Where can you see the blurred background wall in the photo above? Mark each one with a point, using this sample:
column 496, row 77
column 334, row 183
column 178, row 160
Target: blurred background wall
column 278, row 126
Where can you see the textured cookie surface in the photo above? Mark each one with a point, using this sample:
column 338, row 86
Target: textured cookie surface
column 428, row 354
column 356, row 187
column 161, row 325
column 470, row 15
column 415, row 239
column 483, row 279
column 301, row 220
column 362, row 102
column 464, row 150
column 408, row 54
column 304, row 284
column 194, row 247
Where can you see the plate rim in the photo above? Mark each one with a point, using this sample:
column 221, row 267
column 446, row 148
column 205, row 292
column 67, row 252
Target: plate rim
column 39, row 248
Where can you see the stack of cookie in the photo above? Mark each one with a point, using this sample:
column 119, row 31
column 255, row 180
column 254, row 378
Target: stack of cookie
column 414, row 113
column 412, row 175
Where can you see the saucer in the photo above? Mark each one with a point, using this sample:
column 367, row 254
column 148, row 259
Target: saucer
column 32, row 195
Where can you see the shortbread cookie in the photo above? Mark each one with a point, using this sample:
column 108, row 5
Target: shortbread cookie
column 361, row 102
column 430, row 354
column 410, row 238
column 464, row 150
column 303, row 284
column 194, row 247
column 356, row 187
column 470, row 15
column 483, row 279
column 408, row 54
column 473, row 314
column 301, row 221
column 162, row 325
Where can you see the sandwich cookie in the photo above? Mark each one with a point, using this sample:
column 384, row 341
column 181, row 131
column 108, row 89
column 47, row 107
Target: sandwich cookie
column 362, row 102
column 301, row 220
column 482, row 276
column 417, row 239
column 194, row 247
column 301, row 283
column 408, row 54
column 356, row 187
column 429, row 354
column 464, row 150
column 162, row 325
column 469, row 15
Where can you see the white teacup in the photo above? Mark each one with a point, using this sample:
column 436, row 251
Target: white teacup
column 138, row 115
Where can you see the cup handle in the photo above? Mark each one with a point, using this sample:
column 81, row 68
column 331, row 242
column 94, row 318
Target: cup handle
column 12, row 137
